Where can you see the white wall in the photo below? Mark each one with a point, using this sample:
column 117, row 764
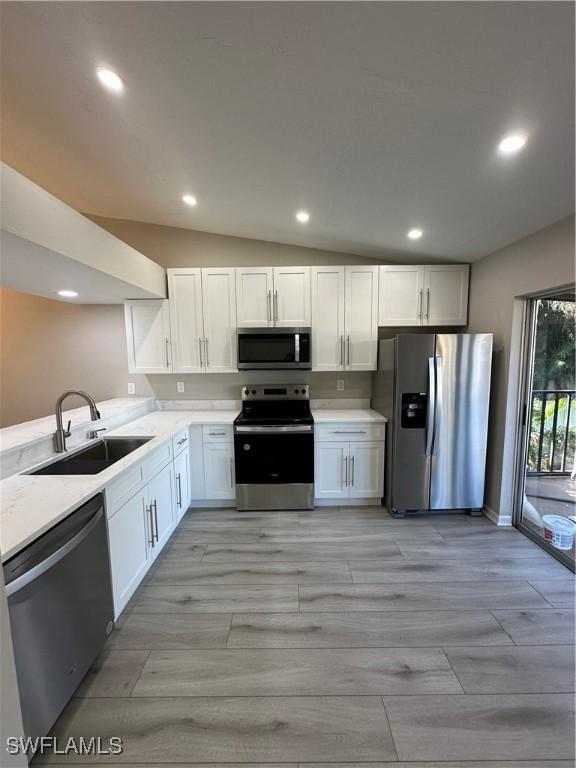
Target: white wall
column 540, row 262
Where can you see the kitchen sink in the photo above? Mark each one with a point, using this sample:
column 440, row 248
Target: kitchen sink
column 94, row 458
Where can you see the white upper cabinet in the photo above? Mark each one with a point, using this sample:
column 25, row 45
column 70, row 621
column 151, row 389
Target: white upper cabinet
column 291, row 298
column 446, row 289
column 328, row 318
column 254, row 287
column 185, row 291
column 344, row 318
column 148, row 336
column 203, row 319
column 361, row 318
column 273, row 296
column 423, row 295
column 219, row 312
column 401, row 295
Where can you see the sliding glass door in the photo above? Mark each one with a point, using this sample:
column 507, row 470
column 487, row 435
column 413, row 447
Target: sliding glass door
column 546, row 498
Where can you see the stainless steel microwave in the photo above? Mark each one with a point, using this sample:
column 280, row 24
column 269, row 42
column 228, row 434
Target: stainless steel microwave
column 274, row 348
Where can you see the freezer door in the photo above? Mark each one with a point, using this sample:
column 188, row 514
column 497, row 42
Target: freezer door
column 460, row 412
column 410, row 465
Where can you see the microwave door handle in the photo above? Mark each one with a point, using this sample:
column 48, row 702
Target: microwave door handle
column 296, row 347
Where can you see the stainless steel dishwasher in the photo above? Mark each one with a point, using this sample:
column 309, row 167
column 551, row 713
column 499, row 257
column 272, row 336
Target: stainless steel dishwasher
column 61, row 612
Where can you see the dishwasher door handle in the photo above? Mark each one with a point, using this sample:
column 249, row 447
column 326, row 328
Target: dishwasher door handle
column 55, row 557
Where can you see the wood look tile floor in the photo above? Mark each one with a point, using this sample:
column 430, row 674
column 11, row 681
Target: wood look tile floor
column 337, row 638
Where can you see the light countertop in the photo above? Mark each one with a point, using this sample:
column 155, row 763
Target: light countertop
column 31, row 505
column 348, row 415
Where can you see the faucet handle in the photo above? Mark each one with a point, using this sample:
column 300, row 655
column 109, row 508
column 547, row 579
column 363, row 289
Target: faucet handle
column 67, row 433
column 94, row 433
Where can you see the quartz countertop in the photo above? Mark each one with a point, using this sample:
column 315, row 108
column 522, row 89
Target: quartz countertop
column 348, row 415
column 31, row 505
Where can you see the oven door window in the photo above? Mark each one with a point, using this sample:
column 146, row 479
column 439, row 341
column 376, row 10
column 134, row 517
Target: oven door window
column 270, row 459
column 267, row 348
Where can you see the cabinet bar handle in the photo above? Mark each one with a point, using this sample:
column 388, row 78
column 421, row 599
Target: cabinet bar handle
column 149, row 513
column 179, row 501
column 341, row 350
column 427, row 303
column 269, row 307
column 346, row 471
column 348, row 341
column 349, row 432
column 156, row 519
column 206, row 348
column 421, row 304
column 353, row 472
column 180, row 442
column 231, row 472
column 276, row 306
column 216, row 433
column 200, row 347
column 167, row 358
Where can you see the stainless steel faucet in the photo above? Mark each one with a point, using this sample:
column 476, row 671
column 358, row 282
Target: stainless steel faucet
column 61, row 434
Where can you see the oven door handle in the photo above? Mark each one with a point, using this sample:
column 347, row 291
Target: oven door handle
column 275, row 430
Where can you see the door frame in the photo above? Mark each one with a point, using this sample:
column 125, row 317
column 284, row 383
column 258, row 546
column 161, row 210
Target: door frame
column 524, row 420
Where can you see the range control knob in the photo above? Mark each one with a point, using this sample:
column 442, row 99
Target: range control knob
column 246, row 446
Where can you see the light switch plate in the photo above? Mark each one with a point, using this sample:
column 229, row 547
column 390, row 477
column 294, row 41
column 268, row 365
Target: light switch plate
column 340, row 385
column 180, row 386
column 131, row 388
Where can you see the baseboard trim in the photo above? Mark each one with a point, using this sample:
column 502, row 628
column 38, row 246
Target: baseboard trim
column 348, row 502
column 213, row 503
column 502, row 521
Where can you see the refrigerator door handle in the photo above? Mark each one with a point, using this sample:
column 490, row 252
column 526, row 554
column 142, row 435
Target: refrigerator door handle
column 437, row 403
column 431, row 410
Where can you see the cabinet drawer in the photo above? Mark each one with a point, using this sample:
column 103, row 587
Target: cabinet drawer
column 180, row 441
column 123, row 488
column 158, row 459
column 218, row 434
column 349, row 432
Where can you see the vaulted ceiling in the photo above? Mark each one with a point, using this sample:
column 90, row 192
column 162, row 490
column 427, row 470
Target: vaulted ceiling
column 375, row 117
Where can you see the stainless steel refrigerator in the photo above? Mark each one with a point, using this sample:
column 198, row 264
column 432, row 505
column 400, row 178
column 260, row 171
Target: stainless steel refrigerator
column 434, row 389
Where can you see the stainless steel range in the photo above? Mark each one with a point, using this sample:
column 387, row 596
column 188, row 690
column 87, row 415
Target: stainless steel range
column 274, row 448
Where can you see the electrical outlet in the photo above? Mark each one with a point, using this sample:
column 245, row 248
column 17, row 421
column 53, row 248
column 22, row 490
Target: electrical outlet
column 131, row 388
column 180, row 386
column 340, row 385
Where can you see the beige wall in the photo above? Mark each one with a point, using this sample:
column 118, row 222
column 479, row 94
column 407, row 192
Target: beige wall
column 49, row 346
column 175, row 247
column 540, row 262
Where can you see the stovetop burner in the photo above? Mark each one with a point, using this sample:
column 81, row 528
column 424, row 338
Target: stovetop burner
column 275, row 405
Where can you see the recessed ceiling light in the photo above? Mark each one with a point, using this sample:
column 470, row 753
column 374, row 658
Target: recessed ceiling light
column 110, row 79
column 415, row 234
column 68, row 294
column 303, row 217
column 189, row 200
column 511, row 144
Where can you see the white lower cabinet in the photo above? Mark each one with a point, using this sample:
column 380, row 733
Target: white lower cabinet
column 129, row 534
column 161, row 508
column 330, row 470
column 219, row 470
column 139, row 526
column 366, row 470
column 182, row 493
column 349, row 461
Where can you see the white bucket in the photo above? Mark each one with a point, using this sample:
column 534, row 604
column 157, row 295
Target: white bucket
column 559, row 531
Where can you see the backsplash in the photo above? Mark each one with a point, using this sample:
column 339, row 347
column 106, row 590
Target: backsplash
column 228, row 386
